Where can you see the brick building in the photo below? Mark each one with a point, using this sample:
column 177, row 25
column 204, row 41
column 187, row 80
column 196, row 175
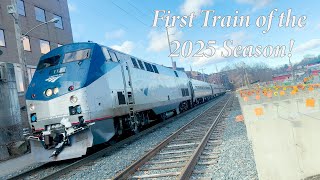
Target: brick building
column 39, row 41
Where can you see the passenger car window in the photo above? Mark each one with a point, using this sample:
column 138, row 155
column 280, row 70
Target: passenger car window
column 175, row 72
column 106, row 53
column 113, row 56
column 134, row 62
column 141, row 64
column 155, row 69
column 148, row 66
column 77, row 55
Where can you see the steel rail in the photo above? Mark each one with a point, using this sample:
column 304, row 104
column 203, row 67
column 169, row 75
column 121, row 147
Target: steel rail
column 188, row 169
column 125, row 174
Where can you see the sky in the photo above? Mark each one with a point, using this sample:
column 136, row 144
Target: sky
column 126, row 25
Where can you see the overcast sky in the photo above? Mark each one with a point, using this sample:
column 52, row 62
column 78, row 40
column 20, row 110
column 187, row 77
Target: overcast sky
column 127, row 26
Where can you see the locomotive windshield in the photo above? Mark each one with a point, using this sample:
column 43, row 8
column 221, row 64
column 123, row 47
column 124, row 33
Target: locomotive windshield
column 51, row 61
column 77, row 55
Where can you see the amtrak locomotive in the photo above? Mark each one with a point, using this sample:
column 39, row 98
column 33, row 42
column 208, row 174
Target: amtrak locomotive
column 84, row 94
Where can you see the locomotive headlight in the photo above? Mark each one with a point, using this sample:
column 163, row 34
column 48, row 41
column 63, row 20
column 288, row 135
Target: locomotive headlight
column 48, row 92
column 31, row 107
column 55, row 90
column 73, row 99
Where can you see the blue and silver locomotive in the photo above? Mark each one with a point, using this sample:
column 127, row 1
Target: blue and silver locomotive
column 83, row 94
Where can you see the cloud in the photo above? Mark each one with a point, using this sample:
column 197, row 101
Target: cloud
column 238, row 37
column 309, row 45
column 125, row 47
column 72, row 7
column 204, row 61
column 117, row 34
column 158, row 39
column 190, row 6
column 257, row 4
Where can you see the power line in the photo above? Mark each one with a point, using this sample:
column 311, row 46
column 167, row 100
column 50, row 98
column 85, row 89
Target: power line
column 99, row 11
column 129, row 13
column 138, row 9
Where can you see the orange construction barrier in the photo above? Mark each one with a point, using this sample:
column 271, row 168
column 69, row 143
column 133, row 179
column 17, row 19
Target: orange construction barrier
column 311, row 88
column 293, row 92
column 239, row 118
column 258, row 111
column 310, row 102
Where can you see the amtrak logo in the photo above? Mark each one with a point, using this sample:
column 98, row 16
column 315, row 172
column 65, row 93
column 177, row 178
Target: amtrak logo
column 54, row 78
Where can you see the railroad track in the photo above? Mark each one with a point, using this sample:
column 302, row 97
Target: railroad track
column 177, row 156
column 73, row 164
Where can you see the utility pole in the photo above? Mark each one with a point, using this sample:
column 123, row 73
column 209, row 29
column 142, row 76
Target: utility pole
column 292, row 71
column 246, row 75
column 218, row 74
column 172, row 62
column 12, row 9
column 203, row 74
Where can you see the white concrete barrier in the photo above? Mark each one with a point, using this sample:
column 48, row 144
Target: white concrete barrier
column 285, row 135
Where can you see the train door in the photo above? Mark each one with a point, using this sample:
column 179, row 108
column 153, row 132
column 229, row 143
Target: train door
column 126, row 79
column 127, row 83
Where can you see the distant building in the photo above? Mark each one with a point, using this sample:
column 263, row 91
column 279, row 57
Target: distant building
column 39, row 41
column 281, row 77
column 225, row 81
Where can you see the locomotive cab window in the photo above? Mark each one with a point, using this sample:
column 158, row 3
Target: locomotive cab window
column 77, row 55
column 48, row 62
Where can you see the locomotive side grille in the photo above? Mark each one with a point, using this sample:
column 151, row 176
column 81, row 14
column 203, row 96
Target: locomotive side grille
column 121, row 98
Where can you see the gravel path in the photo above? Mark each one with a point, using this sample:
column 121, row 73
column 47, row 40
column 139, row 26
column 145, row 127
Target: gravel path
column 236, row 160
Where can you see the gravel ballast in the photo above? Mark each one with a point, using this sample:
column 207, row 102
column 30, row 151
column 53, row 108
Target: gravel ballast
column 109, row 166
column 236, row 160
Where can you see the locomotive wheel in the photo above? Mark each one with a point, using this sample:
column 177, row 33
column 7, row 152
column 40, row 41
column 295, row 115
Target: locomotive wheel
column 135, row 125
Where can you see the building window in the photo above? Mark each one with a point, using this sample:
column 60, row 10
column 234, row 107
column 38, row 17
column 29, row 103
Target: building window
column 20, row 7
column 19, row 78
column 59, row 23
column 40, row 15
column 44, row 46
column 2, row 40
column 31, row 71
column 26, row 43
